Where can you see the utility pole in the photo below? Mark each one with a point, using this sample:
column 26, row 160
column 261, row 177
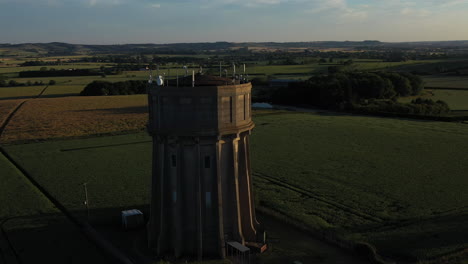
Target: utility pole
column 86, row 202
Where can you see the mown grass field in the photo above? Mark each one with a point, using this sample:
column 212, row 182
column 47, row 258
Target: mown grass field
column 446, row 81
column 456, row 99
column 398, row 184
column 21, row 92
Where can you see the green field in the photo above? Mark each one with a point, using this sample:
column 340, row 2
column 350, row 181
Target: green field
column 118, row 178
column 446, row 81
column 374, row 179
column 33, row 228
column 456, row 99
column 20, row 92
column 32, row 202
column 398, row 184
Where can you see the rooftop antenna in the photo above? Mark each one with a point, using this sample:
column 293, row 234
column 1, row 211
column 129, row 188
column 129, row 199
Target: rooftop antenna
column 234, row 69
column 225, row 71
column 150, row 81
column 86, row 202
column 193, row 78
column 168, row 76
column 186, row 71
column 244, row 68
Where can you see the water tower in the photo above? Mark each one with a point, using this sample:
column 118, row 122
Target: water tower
column 202, row 198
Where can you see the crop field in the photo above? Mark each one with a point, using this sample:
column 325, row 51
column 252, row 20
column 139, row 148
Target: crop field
column 6, row 107
column 117, row 169
column 76, row 116
column 32, row 202
column 392, row 182
column 375, row 178
column 34, row 228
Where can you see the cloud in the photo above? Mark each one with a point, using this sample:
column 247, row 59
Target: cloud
column 341, row 9
column 415, row 12
column 454, row 3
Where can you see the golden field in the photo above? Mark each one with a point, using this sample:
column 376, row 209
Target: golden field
column 47, row 118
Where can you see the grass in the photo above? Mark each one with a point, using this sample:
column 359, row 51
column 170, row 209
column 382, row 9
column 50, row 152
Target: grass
column 50, row 239
column 35, row 229
column 446, row 81
column 20, row 92
column 399, row 184
column 456, row 99
column 117, row 176
column 371, row 178
column 14, row 184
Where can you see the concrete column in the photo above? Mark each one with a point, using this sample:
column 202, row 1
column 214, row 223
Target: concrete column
column 237, row 230
column 164, row 189
column 256, row 224
column 179, row 209
column 222, row 244
column 154, row 223
column 199, row 205
column 247, row 216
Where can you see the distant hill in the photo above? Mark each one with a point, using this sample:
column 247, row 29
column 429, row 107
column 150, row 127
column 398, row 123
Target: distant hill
column 61, row 49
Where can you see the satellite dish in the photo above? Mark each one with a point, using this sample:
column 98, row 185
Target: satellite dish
column 160, row 81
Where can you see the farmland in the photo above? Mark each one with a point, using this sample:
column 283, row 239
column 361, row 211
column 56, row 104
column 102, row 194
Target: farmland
column 456, row 99
column 399, row 185
column 33, row 227
column 21, row 92
column 446, row 81
column 75, row 117
column 364, row 178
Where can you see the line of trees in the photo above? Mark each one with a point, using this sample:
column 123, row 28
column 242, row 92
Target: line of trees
column 13, row 83
column 60, row 73
column 40, row 63
column 354, row 90
column 418, row 106
column 342, row 88
column 97, row 88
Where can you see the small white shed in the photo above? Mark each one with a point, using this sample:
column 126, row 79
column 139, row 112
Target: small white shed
column 132, row 219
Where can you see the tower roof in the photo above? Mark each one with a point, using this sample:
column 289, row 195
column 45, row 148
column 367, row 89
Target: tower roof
column 205, row 80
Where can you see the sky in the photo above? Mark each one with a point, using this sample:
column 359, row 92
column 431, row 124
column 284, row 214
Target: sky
column 175, row 21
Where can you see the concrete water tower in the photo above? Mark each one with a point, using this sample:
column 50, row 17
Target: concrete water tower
column 202, row 198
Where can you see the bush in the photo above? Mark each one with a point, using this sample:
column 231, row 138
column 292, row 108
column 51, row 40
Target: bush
column 118, row 88
column 52, row 82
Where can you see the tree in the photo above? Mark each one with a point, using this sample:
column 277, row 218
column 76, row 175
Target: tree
column 52, row 82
